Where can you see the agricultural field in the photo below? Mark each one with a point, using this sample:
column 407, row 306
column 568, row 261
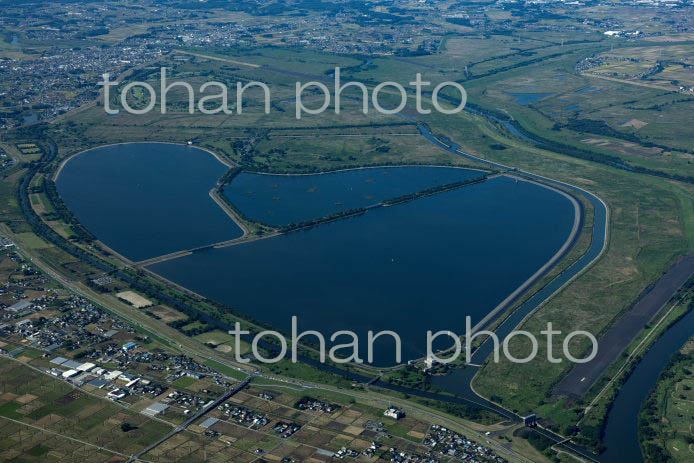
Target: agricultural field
column 669, row 67
column 249, row 420
column 28, row 148
column 42, row 417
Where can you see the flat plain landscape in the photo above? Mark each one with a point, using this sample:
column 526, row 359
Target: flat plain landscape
column 590, row 99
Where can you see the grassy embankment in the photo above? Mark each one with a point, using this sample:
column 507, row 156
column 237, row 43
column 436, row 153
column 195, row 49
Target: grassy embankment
column 651, row 224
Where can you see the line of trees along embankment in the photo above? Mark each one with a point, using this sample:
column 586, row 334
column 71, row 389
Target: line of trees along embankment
column 387, row 202
column 222, row 184
column 601, row 128
column 433, row 191
column 327, row 218
column 313, row 169
column 232, row 173
column 80, row 233
column 229, row 176
column 613, row 161
column 343, row 126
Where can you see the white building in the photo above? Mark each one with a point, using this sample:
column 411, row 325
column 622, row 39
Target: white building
column 155, row 409
column 113, row 375
column 117, row 394
column 394, row 413
column 85, row 367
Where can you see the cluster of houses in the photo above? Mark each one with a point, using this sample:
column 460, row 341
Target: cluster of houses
column 242, row 415
column 371, row 450
column 406, row 457
column 51, row 333
column 345, row 452
column 449, row 443
column 188, row 402
column 66, row 79
column 375, row 426
column 286, row 430
column 309, row 403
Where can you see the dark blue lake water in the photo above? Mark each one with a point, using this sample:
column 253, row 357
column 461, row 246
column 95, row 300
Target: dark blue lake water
column 147, row 199
column 422, row 265
column 284, row 199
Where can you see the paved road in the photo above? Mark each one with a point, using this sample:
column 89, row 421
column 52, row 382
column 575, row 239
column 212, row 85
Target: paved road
column 617, row 338
column 191, row 420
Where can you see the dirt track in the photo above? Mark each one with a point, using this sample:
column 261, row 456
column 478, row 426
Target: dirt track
column 618, row 337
